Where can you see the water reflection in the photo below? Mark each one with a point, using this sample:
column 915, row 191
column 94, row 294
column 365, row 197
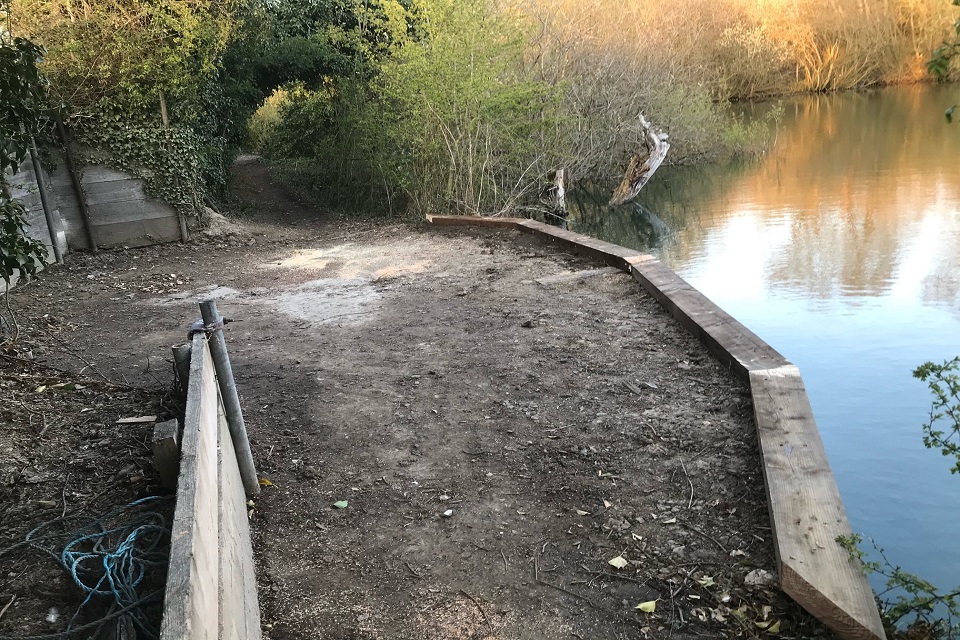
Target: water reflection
column 841, row 248
column 854, row 181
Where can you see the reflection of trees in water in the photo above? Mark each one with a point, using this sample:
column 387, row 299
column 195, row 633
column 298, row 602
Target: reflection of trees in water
column 853, row 177
column 626, row 225
column 941, row 286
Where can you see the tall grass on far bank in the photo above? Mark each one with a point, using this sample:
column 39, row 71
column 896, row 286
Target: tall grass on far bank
column 752, row 48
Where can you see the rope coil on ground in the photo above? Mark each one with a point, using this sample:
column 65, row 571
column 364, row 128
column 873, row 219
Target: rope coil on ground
column 108, row 558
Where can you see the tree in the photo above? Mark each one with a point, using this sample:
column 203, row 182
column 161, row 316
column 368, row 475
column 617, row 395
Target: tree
column 23, row 90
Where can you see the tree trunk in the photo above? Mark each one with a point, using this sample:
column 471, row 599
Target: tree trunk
column 642, row 165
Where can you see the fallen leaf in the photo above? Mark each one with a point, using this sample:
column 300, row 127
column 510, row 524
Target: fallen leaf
column 47, row 504
column 265, row 482
column 772, row 628
column 41, row 388
column 582, row 513
column 706, row 581
column 341, row 504
column 619, row 562
column 670, row 521
column 607, row 504
column 647, row 607
column 447, row 513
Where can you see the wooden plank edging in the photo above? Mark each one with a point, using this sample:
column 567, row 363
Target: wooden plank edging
column 211, row 591
column 806, row 509
column 191, row 601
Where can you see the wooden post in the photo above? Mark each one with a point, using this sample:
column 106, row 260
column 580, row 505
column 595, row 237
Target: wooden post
column 184, row 233
column 181, row 363
column 45, row 202
column 166, row 452
column 77, row 187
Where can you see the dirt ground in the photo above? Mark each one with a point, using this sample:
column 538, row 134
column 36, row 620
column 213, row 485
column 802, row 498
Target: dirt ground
column 527, row 445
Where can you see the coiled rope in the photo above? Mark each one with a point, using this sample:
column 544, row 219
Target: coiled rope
column 108, row 558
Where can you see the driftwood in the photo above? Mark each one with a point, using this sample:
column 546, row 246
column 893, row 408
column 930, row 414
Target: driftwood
column 642, row 165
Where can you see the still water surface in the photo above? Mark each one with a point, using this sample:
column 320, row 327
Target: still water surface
column 841, row 248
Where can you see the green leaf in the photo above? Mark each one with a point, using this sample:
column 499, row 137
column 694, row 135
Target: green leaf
column 341, row 504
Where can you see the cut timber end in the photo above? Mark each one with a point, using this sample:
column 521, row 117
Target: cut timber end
column 806, row 510
column 166, row 452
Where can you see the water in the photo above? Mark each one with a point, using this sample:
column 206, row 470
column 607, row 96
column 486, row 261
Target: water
column 841, row 249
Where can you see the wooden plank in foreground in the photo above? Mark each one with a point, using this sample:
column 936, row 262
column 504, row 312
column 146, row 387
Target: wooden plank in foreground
column 731, row 342
column 191, row 601
column 239, row 607
column 806, row 510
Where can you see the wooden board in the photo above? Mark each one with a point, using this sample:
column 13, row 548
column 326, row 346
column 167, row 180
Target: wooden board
column 473, row 221
column 731, row 342
column 612, row 254
column 806, row 510
column 118, row 212
column 140, row 233
column 239, row 607
column 129, row 190
column 191, row 601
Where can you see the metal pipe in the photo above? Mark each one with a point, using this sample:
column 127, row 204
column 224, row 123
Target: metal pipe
column 77, row 187
column 231, row 401
column 45, row 202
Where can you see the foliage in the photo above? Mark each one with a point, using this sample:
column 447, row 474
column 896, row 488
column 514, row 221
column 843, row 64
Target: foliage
column 23, row 91
column 472, row 131
column 927, row 612
column 111, row 62
column 940, row 63
column 908, row 599
column 942, row 431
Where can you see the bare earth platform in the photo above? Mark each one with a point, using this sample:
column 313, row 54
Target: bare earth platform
column 549, row 404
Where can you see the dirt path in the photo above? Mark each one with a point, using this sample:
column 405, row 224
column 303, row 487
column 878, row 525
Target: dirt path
column 500, row 424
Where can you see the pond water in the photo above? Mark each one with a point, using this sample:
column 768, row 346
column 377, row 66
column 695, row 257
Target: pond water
column 841, row 248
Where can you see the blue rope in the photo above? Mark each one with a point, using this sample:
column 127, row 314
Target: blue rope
column 108, row 558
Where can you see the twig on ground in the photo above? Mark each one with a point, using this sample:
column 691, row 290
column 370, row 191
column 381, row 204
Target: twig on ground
column 482, row 612
column 11, row 314
column 90, row 366
column 689, row 481
column 705, row 535
column 7, row 606
column 413, row 571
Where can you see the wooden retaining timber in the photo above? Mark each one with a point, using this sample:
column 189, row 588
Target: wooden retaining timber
column 211, row 589
column 806, row 509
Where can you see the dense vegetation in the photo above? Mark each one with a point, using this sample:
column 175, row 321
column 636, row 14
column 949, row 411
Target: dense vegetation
column 22, row 88
column 437, row 105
